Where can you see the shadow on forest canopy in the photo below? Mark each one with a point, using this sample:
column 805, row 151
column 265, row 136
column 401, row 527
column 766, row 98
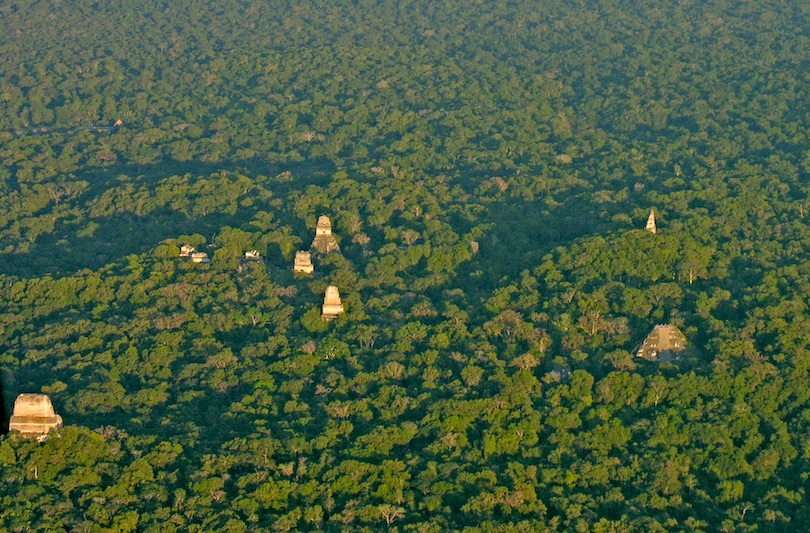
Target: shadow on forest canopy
column 63, row 251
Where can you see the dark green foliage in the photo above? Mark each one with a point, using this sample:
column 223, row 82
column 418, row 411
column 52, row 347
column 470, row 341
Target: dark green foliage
column 487, row 168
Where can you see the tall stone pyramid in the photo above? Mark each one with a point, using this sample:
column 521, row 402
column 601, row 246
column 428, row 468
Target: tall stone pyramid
column 651, row 223
column 303, row 262
column 34, row 416
column 324, row 242
column 664, row 343
column 332, row 306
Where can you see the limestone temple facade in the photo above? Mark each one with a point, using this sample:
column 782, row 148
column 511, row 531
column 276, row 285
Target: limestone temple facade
column 332, row 306
column 34, row 416
column 651, row 223
column 324, row 242
column 303, row 263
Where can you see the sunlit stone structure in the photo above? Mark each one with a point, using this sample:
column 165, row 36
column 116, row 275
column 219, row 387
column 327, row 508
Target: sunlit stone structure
column 253, row 255
column 186, row 250
column 651, row 223
column 303, row 263
column 332, row 306
column 665, row 343
column 324, row 242
column 200, row 257
column 34, row 416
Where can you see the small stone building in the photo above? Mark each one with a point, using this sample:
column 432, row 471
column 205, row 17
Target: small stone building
column 324, row 241
column 34, row 416
column 303, row 263
column 186, row 250
column 332, row 306
column 665, row 343
column 200, row 257
column 253, row 255
column 651, row 223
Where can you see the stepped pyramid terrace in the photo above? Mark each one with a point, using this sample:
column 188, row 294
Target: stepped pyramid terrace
column 665, row 343
column 34, row 416
column 324, row 242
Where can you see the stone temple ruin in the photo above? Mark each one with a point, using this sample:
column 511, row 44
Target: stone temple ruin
column 189, row 253
column 34, row 416
column 200, row 257
column 303, row 263
column 665, row 343
column 332, row 306
column 651, row 223
column 324, row 242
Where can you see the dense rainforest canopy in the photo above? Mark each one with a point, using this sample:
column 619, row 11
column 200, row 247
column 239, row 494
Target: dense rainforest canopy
column 488, row 168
